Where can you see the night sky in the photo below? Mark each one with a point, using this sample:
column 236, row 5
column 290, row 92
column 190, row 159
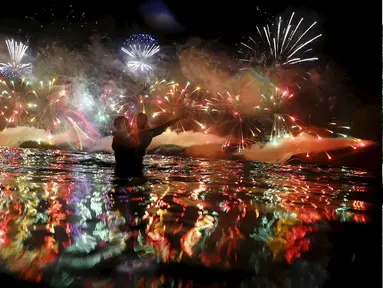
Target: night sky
column 350, row 32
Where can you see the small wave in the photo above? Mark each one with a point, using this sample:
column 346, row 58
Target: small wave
column 288, row 147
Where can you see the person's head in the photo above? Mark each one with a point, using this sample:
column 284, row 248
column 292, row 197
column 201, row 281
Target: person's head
column 121, row 123
column 142, row 121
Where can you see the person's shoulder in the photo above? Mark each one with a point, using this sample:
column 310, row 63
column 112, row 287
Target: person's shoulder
column 116, row 135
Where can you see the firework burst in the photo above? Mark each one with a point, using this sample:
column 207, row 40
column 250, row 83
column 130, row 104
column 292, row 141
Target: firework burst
column 141, row 50
column 281, row 44
column 15, row 67
column 13, row 101
column 274, row 101
column 45, row 104
column 255, row 112
column 242, row 129
column 169, row 99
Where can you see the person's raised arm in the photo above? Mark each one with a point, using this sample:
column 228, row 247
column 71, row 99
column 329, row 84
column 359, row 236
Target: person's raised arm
column 161, row 129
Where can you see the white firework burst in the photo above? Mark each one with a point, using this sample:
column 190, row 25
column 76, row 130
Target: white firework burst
column 141, row 48
column 279, row 44
column 15, row 67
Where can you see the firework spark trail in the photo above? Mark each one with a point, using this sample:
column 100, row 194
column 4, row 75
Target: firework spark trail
column 274, row 100
column 16, row 52
column 88, row 127
column 279, row 44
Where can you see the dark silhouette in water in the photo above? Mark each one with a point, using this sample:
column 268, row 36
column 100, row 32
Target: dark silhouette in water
column 130, row 146
column 14, row 281
column 124, row 147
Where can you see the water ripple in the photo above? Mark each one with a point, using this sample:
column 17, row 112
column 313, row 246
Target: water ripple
column 64, row 211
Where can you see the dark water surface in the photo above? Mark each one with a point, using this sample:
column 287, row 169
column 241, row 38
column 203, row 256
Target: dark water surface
column 66, row 222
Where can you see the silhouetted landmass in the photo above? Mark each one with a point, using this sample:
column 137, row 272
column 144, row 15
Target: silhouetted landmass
column 45, row 145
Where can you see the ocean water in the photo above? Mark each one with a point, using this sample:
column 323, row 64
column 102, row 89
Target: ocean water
column 66, row 222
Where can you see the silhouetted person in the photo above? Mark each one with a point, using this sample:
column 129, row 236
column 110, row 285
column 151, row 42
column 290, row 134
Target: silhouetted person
column 124, row 147
column 145, row 134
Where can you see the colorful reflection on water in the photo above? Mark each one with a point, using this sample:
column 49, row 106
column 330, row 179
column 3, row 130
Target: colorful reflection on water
column 63, row 216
